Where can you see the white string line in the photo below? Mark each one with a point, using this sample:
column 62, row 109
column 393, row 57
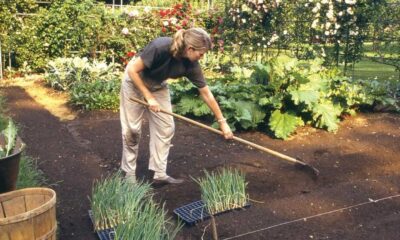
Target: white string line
column 313, row 216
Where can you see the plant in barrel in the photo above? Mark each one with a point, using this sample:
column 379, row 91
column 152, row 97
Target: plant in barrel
column 11, row 148
column 8, row 138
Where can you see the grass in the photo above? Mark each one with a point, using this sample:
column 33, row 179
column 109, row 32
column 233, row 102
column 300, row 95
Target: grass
column 367, row 69
column 29, row 173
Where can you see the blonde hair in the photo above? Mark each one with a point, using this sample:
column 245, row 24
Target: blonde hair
column 193, row 37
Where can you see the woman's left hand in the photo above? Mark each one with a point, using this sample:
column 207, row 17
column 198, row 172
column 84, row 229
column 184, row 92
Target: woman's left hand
column 226, row 130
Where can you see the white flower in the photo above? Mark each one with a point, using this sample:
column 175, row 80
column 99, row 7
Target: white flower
column 340, row 13
column 327, row 33
column 327, row 25
column 258, row 44
column 165, row 23
column 330, row 14
column 274, row 38
column 133, row 13
column 243, row 20
column 174, row 20
column 306, row 4
column 337, row 26
column 350, row 2
column 324, row 1
column 353, row 33
column 314, row 24
column 147, row 9
column 125, row 31
column 285, row 32
column 260, row 1
column 350, row 11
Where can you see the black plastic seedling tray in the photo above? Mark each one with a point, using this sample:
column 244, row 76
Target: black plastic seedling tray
column 107, row 234
column 195, row 212
column 192, row 213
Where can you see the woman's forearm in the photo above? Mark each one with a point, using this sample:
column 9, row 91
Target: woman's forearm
column 209, row 99
column 134, row 68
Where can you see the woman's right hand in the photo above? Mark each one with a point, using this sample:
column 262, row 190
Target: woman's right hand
column 153, row 105
column 226, row 130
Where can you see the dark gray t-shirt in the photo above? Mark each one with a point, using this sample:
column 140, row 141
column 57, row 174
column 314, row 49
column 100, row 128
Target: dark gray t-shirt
column 161, row 65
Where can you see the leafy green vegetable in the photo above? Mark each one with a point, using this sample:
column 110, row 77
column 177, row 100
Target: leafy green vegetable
column 284, row 124
column 326, row 115
column 193, row 104
column 10, row 136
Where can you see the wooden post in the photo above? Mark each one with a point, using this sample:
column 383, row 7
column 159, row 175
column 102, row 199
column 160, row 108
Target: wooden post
column 214, row 228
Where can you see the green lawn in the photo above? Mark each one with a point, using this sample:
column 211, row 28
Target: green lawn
column 366, row 69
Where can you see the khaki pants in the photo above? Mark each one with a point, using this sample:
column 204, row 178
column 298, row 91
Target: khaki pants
column 161, row 126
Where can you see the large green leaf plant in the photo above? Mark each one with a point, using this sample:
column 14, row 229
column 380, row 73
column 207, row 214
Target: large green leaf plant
column 284, row 94
column 8, row 137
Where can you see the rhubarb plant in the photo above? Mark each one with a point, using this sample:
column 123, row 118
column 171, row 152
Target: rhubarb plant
column 284, row 94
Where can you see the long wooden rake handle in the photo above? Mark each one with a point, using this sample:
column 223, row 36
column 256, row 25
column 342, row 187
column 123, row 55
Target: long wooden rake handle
column 261, row 148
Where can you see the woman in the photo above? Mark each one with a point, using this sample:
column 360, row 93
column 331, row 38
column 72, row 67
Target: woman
column 145, row 78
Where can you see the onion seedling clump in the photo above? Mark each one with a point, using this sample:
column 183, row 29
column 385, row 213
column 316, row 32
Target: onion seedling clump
column 224, row 190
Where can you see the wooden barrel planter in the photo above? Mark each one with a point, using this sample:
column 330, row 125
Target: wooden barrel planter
column 9, row 167
column 28, row 214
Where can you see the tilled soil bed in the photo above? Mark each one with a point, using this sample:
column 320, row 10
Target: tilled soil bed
column 357, row 195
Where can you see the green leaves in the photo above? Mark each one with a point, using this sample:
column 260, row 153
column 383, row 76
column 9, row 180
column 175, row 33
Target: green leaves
column 223, row 190
column 306, row 96
column 284, row 124
column 193, row 105
column 248, row 114
column 130, row 209
column 297, row 92
column 96, row 95
column 326, row 115
column 8, row 138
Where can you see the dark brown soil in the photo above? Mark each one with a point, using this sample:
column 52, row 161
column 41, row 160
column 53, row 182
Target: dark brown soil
column 358, row 164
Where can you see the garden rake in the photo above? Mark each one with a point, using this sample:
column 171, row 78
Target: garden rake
column 299, row 164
